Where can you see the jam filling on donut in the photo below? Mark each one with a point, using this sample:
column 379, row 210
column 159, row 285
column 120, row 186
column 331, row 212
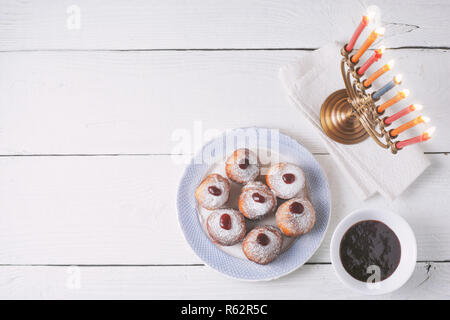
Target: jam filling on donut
column 244, row 165
column 225, row 221
column 214, row 191
column 296, row 207
column 288, row 178
column 258, row 198
column 262, row 239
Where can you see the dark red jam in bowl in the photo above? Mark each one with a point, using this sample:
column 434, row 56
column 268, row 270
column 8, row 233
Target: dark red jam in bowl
column 368, row 246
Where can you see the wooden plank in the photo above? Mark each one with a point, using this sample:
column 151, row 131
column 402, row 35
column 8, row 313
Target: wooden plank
column 429, row 281
column 141, row 24
column 122, row 102
column 121, row 210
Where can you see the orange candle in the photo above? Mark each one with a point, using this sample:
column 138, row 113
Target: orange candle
column 400, row 95
column 374, row 76
column 372, row 37
column 423, row 137
column 420, row 119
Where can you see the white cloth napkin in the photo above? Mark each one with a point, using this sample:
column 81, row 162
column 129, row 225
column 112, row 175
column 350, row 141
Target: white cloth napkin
column 368, row 167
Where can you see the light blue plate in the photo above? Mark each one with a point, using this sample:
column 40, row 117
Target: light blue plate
column 216, row 150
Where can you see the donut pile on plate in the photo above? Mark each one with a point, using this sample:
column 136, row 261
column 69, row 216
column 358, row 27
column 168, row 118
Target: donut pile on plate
column 226, row 226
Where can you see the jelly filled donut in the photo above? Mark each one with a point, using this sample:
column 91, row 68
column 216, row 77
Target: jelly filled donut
column 256, row 200
column 263, row 244
column 213, row 191
column 286, row 180
column 226, row 226
column 295, row 217
column 242, row 166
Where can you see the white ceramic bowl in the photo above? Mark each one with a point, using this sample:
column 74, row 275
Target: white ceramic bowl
column 408, row 251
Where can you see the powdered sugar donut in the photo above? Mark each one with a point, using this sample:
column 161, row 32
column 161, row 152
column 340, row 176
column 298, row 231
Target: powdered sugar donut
column 213, row 191
column 242, row 166
column 263, row 244
column 226, row 226
column 256, row 200
column 295, row 217
column 286, row 180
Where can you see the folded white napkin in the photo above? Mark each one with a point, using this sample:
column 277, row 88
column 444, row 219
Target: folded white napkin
column 368, row 167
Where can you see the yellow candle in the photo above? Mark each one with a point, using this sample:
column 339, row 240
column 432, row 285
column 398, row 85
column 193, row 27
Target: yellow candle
column 372, row 37
column 420, row 119
column 400, row 95
column 374, row 76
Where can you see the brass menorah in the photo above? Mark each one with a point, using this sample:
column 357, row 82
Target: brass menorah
column 350, row 115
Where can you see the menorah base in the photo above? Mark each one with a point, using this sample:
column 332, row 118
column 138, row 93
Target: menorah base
column 339, row 122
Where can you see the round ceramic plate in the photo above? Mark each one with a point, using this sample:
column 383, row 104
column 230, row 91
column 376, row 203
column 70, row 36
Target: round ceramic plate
column 272, row 147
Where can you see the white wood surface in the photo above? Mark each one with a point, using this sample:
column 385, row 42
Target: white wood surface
column 208, row 24
column 87, row 117
column 134, row 101
column 429, row 281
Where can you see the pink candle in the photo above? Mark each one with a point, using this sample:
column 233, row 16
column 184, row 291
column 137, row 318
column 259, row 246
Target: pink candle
column 402, row 113
column 423, row 137
column 375, row 57
column 362, row 25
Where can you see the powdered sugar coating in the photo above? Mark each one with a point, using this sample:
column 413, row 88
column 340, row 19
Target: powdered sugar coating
column 206, row 199
column 259, row 253
column 292, row 224
column 240, row 175
column 282, row 189
column 222, row 236
column 252, row 209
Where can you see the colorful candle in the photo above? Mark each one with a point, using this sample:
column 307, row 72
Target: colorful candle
column 420, row 119
column 400, row 95
column 397, row 80
column 375, row 57
column 374, row 76
column 372, row 37
column 402, row 113
column 423, row 137
column 364, row 22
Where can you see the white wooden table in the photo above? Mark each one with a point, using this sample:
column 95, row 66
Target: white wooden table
column 88, row 171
